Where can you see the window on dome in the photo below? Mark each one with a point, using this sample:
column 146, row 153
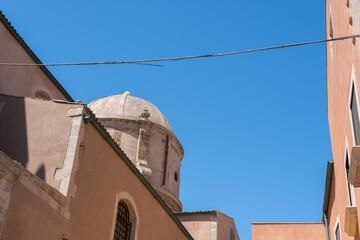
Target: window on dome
column 176, row 177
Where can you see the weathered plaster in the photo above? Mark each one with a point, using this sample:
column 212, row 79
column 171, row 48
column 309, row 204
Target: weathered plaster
column 63, row 174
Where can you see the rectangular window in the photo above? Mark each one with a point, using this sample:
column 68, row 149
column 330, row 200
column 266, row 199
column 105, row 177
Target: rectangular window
column 349, row 186
column 337, row 233
column 355, row 116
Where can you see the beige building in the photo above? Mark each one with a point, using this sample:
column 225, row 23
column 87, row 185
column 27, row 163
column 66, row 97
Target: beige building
column 110, row 170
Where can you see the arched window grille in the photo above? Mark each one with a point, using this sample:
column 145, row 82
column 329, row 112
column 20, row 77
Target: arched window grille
column 123, row 224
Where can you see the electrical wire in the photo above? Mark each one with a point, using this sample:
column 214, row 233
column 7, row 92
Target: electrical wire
column 150, row 62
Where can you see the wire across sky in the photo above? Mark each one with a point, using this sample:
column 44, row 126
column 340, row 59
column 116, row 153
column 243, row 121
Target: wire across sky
column 151, row 62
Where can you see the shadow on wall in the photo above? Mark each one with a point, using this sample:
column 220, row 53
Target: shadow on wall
column 41, row 172
column 13, row 138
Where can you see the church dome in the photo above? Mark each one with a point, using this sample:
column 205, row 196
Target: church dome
column 125, row 106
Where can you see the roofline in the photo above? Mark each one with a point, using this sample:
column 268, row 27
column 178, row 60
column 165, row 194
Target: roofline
column 329, row 173
column 213, row 212
column 22, row 43
column 117, row 149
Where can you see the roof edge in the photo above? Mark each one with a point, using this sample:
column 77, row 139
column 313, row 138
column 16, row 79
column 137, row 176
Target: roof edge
column 27, row 49
column 98, row 126
column 212, row 212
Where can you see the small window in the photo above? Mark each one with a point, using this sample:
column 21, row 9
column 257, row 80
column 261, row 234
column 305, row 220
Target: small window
column 176, row 176
column 123, row 224
column 349, row 186
column 355, row 116
column 337, row 232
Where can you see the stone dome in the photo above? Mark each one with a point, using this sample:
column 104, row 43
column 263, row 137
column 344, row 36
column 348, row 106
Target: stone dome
column 125, row 106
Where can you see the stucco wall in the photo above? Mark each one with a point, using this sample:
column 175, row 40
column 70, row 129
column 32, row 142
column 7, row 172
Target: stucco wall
column 343, row 59
column 209, row 225
column 225, row 226
column 200, row 226
column 102, row 175
column 35, row 133
column 286, row 231
column 30, row 217
column 21, row 81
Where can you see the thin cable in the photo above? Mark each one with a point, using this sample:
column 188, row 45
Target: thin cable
column 149, row 61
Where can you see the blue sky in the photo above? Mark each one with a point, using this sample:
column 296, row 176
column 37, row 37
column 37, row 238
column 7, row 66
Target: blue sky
column 254, row 126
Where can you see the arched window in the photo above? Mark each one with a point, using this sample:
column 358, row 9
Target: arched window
column 122, row 224
column 42, row 94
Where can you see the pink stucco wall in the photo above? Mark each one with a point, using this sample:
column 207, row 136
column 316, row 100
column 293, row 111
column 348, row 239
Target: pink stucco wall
column 225, row 226
column 343, row 59
column 21, row 81
column 35, row 133
column 33, row 210
column 201, row 226
column 209, row 225
column 286, row 231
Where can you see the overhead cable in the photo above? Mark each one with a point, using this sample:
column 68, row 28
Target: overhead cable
column 151, row 61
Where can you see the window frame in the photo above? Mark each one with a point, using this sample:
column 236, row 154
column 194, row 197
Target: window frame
column 133, row 211
column 122, row 223
column 353, row 87
column 349, row 186
column 337, row 225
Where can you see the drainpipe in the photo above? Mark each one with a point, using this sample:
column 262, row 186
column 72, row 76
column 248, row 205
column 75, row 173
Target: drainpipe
column 326, row 227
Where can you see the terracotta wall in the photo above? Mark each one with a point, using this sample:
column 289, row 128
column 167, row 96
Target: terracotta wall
column 102, row 179
column 225, row 226
column 342, row 59
column 30, row 217
column 286, row 231
column 21, row 81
